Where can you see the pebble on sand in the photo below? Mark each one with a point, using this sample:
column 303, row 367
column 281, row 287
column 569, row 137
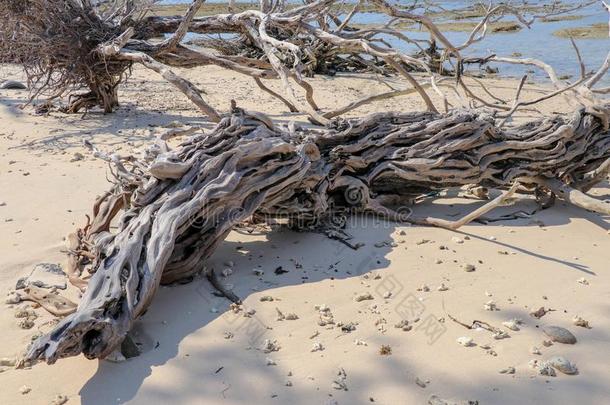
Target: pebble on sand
column 466, row 341
column 507, row 370
column 317, row 347
column 490, row 306
column 539, row 313
column 564, row 365
column 512, row 324
column 559, row 334
column 59, row 399
column 469, row 267
column 442, row 287
column 363, row 297
column 500, row 334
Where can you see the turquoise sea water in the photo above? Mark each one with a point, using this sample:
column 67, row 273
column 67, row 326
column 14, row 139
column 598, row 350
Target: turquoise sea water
column 537, row 42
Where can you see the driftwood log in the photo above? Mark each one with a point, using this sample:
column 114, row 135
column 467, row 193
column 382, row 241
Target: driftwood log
column 180, row 204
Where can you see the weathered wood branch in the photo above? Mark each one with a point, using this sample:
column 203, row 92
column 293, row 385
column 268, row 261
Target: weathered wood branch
column 190, row 198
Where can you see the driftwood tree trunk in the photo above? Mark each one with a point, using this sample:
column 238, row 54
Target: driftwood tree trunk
column 182, row 203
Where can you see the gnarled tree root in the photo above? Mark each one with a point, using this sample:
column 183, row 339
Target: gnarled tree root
column 191, row 197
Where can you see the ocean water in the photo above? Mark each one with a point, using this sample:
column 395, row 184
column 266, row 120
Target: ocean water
column 537, row 42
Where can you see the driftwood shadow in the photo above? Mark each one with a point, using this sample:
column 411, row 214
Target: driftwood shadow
column 181, row 310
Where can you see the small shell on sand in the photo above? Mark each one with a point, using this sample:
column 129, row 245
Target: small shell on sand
column 341, row 382
column 539, row 313
column 490, row 306
column 513, row 324
column 457, row 240
column 359, row 342
column 559, row 334
column 500, row 335
column 404, row 325
column 564, row 365
column 579, row 321
column 442, row 287
column 25, row 389
column 266, row 298
column 582, row 281
column 534, row 350
column 270, row 362
column 507, row 370
column 465, row 341
column 317, row 347
column 270, row 346
column 545, row 368
column 59, row 399
column 469, row 267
